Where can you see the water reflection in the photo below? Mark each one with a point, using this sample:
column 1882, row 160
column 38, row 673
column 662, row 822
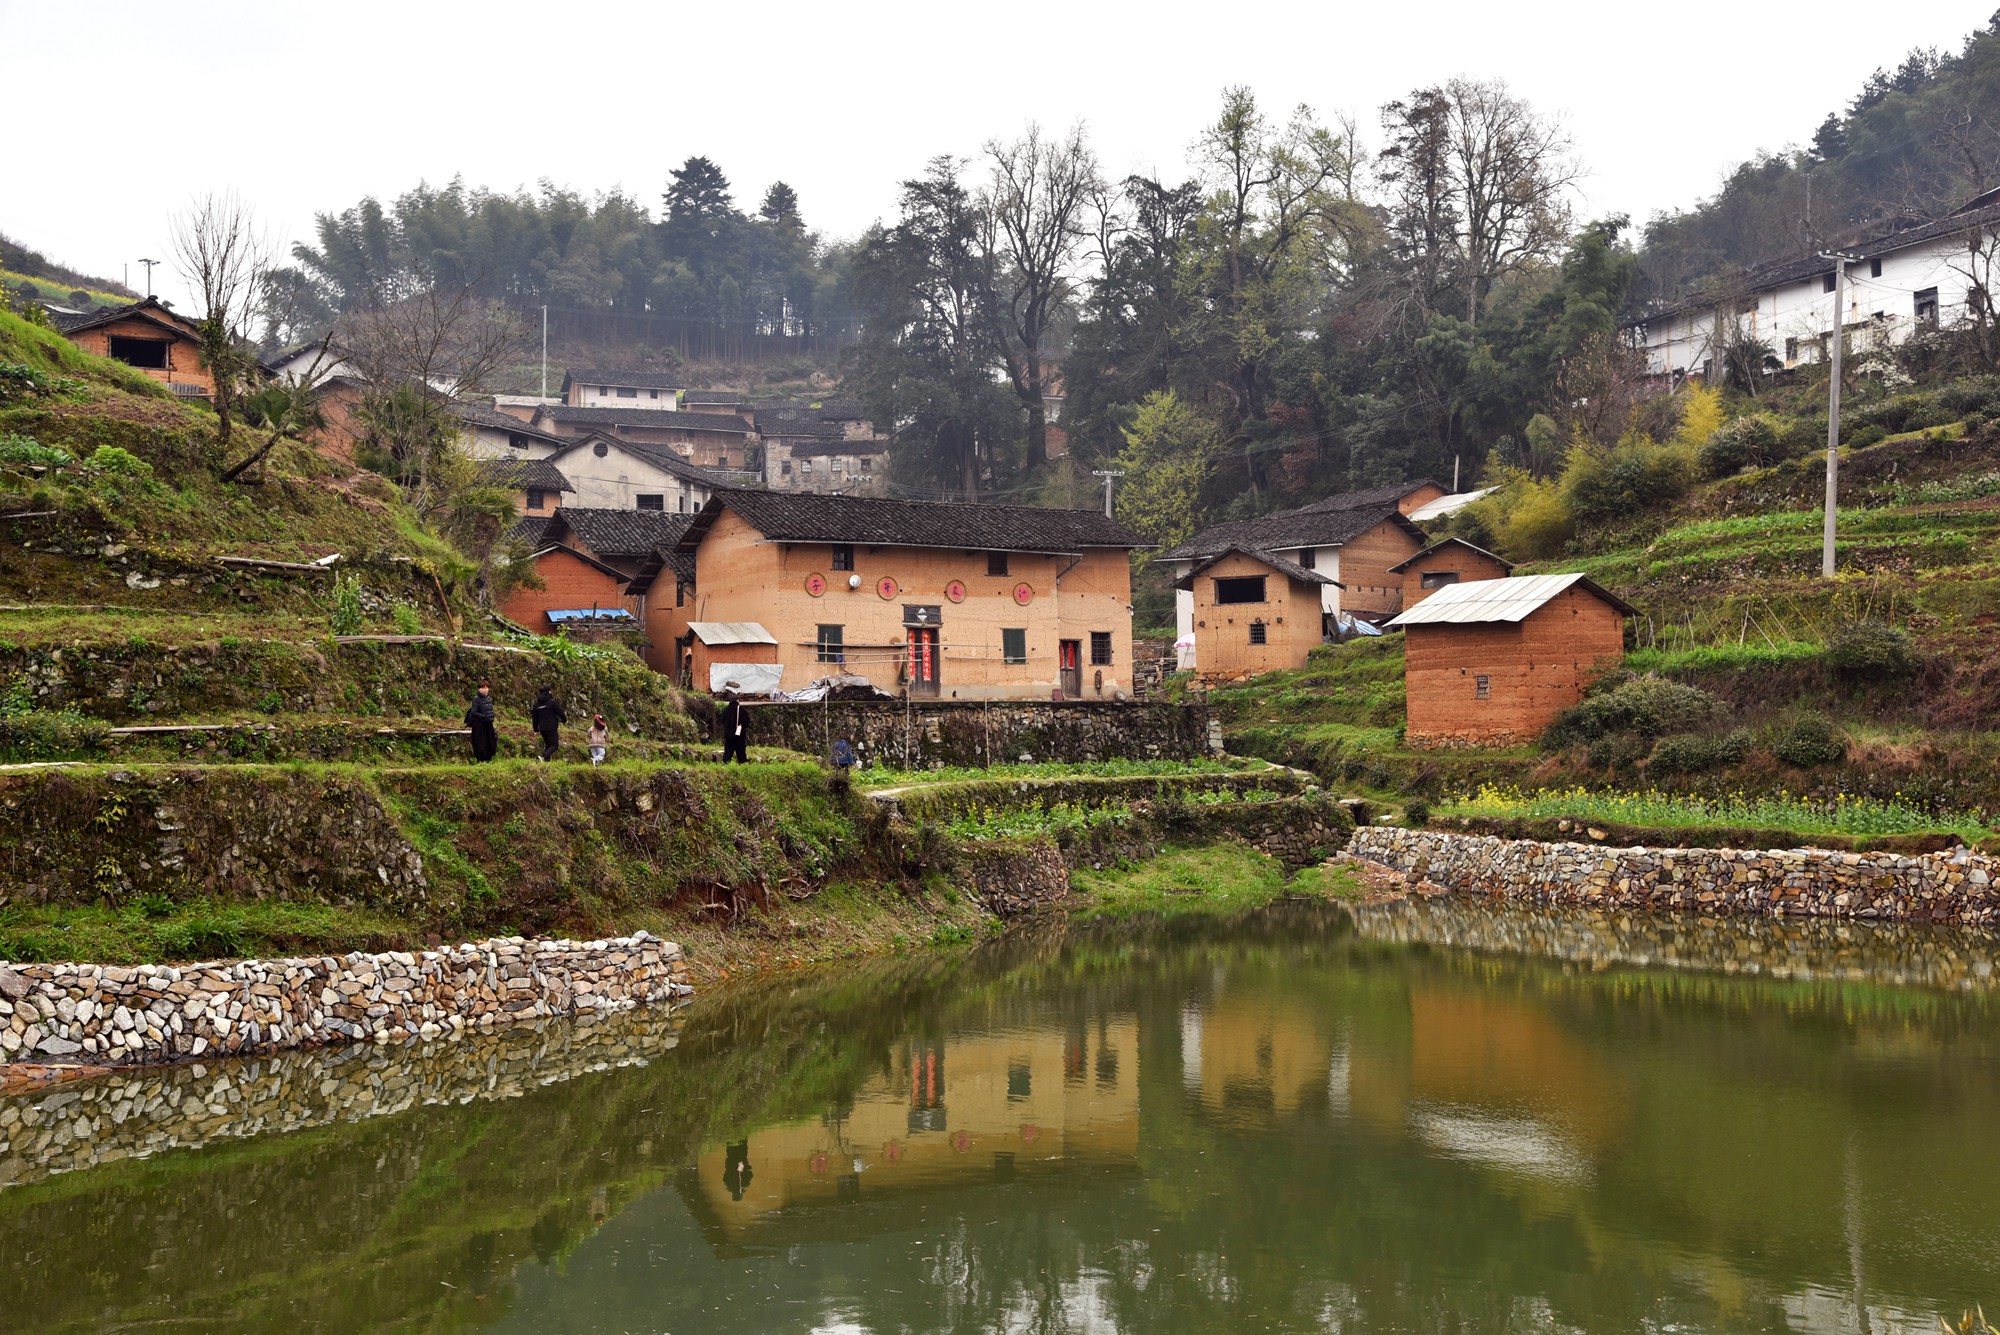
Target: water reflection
column 1296, row 1122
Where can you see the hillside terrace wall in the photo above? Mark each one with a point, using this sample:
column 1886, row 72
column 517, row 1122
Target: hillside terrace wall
column 1806, row 882
column 947, row 732
column 109, row 1015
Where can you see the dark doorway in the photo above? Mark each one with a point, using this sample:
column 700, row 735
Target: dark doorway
column 1069, row 655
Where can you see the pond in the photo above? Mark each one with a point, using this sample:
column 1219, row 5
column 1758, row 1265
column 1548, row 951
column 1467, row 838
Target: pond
column 1423, row 1117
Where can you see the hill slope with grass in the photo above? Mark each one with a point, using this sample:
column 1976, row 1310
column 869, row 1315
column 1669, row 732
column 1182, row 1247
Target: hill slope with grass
column 1749, row 674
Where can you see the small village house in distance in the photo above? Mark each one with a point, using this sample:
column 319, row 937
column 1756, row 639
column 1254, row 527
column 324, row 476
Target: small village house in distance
column 1352, row 539
column 1453, row 561
column 146, row 336
column 1493, row 661
column 969, row 602
column 1254, row 612
column 589, row 387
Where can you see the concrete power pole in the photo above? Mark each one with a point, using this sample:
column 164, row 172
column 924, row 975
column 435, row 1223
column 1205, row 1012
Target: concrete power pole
column 1840, row 262
column 1108, row 478
column 545, row 352
column 149, row 275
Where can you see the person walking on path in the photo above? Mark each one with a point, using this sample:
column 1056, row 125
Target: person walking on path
column 735, row 731
column 547, row 716
column 479, row 718
column 599, row 737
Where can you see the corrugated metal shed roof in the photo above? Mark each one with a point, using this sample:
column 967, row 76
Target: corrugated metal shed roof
column 1490, row 600
column 731, row 632
column 560, row 615
column 1448, row 505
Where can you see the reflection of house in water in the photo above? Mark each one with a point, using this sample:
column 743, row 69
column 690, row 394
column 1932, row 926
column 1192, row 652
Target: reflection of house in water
column 1251, row 1058
column 957, row 1112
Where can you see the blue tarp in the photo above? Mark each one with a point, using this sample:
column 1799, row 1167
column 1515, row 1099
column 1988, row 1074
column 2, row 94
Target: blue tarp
column 590, row 614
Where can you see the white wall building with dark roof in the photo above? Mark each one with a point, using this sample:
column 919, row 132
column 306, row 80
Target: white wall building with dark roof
column 590, row 387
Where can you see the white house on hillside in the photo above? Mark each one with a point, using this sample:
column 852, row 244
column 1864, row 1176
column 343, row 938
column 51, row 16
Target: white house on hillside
column 1925, row 274
column 585, row 387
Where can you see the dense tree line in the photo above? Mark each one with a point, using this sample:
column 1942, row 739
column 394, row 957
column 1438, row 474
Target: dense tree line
column 704, row 262
column 1914, row 142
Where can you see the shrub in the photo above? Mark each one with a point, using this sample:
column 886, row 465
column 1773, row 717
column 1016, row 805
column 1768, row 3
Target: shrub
column 1648, row 706
column 1802, row 436
column 1417, row 812
column 27, row 452
column 1746, row 442
column 407, row 620
column 1871, row 649
column 1697, row 753
column 116, row 461
column 1861, row 437
column 45, row 734
column 346, row 617
column 1616, row 751
column 1974, row 394
column 1636, row 474
column 1807, row 741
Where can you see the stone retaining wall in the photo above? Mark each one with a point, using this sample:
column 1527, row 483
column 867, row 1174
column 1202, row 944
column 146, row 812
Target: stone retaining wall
column 954, row 732
column 133, row 1114
column 1808, row 882
column 109, row 1015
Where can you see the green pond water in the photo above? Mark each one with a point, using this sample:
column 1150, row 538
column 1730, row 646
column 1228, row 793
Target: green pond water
column 1418, row 1118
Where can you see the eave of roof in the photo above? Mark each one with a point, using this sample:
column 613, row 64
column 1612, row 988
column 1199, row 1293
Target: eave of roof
column 1514, row 599
column 938, row 525
column 1437, row 547
column 1290, row 569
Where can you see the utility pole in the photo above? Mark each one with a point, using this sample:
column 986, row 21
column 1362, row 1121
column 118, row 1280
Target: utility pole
column 1841, row 259
column 1108, row 478
column 545, row 352
column 149, row 277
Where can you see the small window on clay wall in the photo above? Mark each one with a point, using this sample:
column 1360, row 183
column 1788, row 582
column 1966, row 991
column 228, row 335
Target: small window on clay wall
column 1482, row 687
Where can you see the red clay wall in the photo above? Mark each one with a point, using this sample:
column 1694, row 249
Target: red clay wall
column 1291, row 617
column 1463, row 561
column 571, row 583
column 1370, row 591
column 1535, row 670
column 183, row 363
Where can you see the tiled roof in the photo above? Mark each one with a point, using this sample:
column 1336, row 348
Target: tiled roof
column 663, row 457
column 819, row 447
column 1290, row 529
column 150, row 309
column 530, row 528
column 523, row 474
column 712, row 397
column 1372, row 498
column 1290, row 569
column 473, row 414
column 651, row 419
column 1437, row 547
column 619, row 533
column 806, row 517
column 586, row 375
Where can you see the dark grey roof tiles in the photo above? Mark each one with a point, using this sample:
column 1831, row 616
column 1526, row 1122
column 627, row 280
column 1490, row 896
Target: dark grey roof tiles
column 806, row 517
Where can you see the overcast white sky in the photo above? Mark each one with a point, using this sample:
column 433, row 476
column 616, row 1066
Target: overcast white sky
column 322, row 104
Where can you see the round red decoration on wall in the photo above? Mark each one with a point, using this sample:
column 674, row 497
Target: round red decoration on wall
column 1024, row 593
column 815, row 584
column 955, row 590
column 886, row 586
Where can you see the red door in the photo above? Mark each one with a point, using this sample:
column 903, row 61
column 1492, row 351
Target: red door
column 1069, row 656
column 923, row 645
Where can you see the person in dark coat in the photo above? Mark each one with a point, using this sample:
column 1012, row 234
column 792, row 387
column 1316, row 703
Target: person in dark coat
column 735, row 725
column 479, row 718
column 547, row 716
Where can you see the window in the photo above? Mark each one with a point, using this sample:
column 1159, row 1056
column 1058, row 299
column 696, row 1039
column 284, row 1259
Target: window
column 785, row 468
column 600, row 449
column 654, row 502
column 1927, row 305
column 680, row 593
column 1874, row 268
column 1826, row 283
column 1791, row 349
column 843, row 556
column 537, row 498
column 1014, row 644
column 833, row 644
column 1308, row 557
column 1243, row 589
column 805, row 468
column 1437, row 579
column 148, row 354
column 654, row 392
column 1257, row 633
column 1100, row 648
column 684, row 502
column 1482, row 687
column 628, row 393
column 722, row 461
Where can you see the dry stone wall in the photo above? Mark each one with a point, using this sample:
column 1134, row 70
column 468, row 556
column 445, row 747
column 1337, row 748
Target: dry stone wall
column 1808, row 882
column 134, row 1114
column 950, row 732
column 110, row 1015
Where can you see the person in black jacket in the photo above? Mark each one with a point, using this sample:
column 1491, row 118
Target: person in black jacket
column 479, row 718
column 735, row 725
column 547, row 716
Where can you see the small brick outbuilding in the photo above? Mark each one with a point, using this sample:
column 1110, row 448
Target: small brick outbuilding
column 1453, row 561
column 1492, row 662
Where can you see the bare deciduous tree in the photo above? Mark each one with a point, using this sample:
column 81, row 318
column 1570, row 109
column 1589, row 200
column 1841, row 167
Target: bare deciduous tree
column 223, row 256
column 1038, row 218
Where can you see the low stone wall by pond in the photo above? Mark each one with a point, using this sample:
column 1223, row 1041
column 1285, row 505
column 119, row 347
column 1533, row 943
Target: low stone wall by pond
column 1808, row 882
column 133, row 1114
column 920, row 734
column 110, row 1015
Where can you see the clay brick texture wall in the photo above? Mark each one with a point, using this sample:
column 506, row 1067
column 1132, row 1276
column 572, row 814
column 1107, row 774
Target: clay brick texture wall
column 1290, row 617
column 1533, row 671
column 571, row 582
column 183, row 363
column 1467, row 564
column 1370, row 591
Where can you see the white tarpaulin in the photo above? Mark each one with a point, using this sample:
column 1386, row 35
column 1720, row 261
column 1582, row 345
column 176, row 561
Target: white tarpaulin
column 745, row 678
